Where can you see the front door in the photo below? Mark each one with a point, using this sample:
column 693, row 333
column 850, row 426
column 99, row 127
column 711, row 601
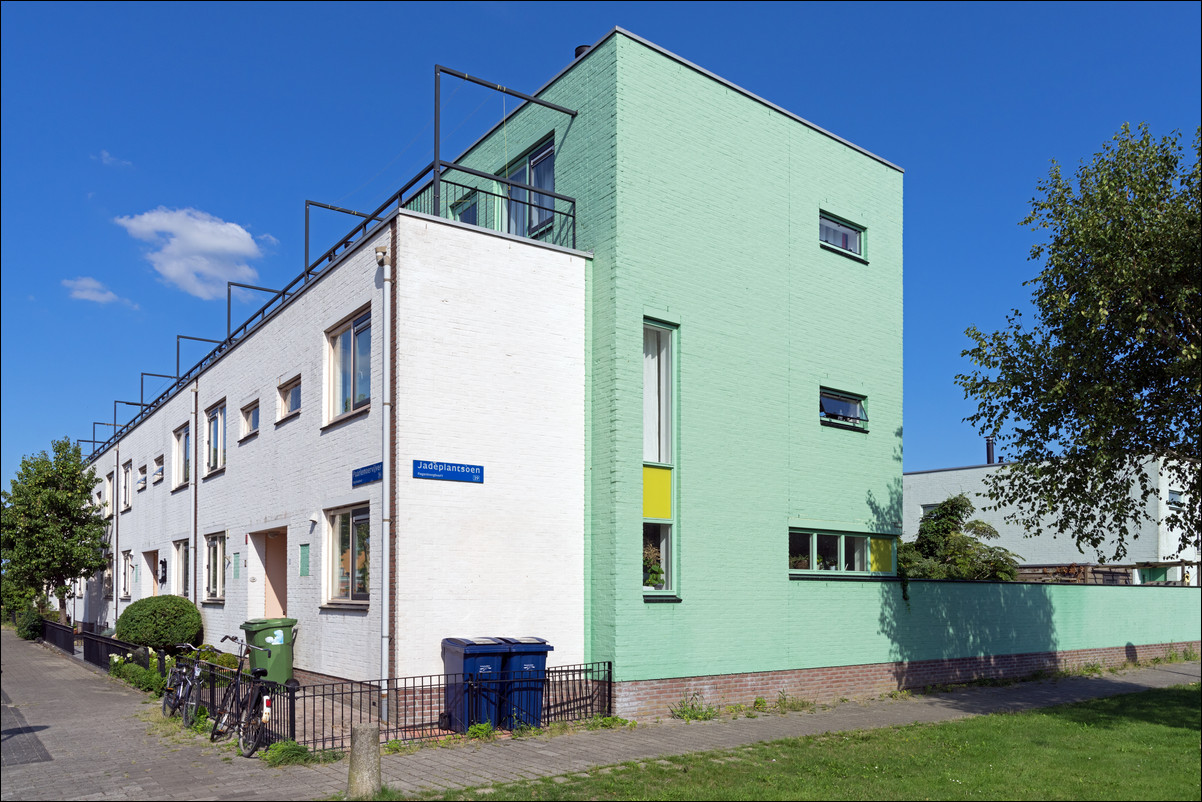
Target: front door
column 275, row 568
column 152, row 570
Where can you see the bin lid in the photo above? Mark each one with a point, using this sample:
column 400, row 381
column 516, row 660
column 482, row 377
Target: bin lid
column 474, row 645
column 528, row 644
column 256, row 624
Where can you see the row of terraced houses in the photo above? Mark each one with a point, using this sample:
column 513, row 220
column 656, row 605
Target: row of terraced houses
column 626, row 375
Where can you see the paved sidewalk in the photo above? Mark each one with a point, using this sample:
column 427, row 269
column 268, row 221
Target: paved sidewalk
column 71, row 732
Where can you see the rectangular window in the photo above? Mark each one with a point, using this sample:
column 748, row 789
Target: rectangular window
column 127, row 485
column 183, row 455
column 108, row 495
column 290, row 398
column 530, row 217
column 349, row 566
column 183, row 570
column 107, row 579
column 157, row 476
column 350, row 366
column 141, row 478
column 304, row 560
column 466, row 210
column 847, row 553
column 215, row 566
column 250, row 419
column 840, row 234
column 127, row 573
column 215, row 438
column 1175, row 500
column 237, row 565
column 659, row 517
column 842, row 409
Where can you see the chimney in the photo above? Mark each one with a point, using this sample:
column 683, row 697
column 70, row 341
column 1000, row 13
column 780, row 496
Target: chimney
column 988, row 450
column 582, row 49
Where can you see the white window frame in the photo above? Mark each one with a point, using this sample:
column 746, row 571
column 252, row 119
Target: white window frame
column 215, row 567
column 127, row 574
column 842, row 409
column 142, row 482
column 181, row 583
column 335, row 578
column 215, row 437
column 342, row 346
column 659, row 448
column 157, row 476
column 183, row 456
column 108, row 495
column 127, row 484
column 250, row 419
column 806, row 553
column 841, row 235
column 289, row 392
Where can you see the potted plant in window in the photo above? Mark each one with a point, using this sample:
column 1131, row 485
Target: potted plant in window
column 799, row 562
column 653, row 569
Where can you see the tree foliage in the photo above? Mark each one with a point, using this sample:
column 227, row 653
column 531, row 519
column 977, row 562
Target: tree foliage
column 949, row 547
column 50, row 532
column 1105, row 388
column 160, row 622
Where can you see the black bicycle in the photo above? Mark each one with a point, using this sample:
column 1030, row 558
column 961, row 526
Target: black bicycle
column 245, row 705
column 178, row 685
column 191, row 690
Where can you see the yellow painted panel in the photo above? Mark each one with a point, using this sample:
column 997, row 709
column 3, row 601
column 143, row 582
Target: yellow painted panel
column 881, row 558
column 657, row 492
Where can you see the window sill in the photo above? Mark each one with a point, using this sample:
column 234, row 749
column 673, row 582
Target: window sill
column 795, row 575
column 660, row 597
column 248, row 436
column 350, row 607
column 126, row 508
column 213, row 473
column 213, row 602
column 179, row 487
column 849, row 427
column 841, row 252
column 294, row 414
column 347, row 416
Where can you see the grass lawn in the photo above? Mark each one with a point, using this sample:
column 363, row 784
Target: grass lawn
column 1138, row 746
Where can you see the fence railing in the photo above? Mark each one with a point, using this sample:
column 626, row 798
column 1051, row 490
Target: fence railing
column 60, row 636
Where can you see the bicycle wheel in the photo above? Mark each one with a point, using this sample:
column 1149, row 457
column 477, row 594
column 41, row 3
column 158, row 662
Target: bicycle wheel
column 250, row 731
column 225, row 718
column 171, row 698
column 191, row 702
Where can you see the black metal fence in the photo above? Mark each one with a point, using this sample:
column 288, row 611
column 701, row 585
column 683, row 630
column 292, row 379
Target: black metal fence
column 60, row 636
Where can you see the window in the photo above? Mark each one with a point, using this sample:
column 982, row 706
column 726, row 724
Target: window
column 127, row 477
column 183, row 569
column 183, row 455
column 349, row 531
column 127, row 573
column 842, row 409
column 290, row 398
column 840, row 234
column 108, row 495
column 828, row 551
column 107, row 579
column 157, row 476
column 526, row 218
column 350, row 366
column 141, row 478
column 658, row 468
column 215, row 567
column 215, row 438
column 1175, row 500
column 466, row 210
column 250, row 419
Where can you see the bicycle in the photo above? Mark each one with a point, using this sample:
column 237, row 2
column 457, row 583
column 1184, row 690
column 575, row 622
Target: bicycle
column 245, row 709
column 191, row 690
column 173, row 694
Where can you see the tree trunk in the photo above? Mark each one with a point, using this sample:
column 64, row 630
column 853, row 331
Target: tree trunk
column 62, row 608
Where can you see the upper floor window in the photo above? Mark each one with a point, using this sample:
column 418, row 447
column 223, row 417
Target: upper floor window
column 350, row 366
column 127, row 481
column 527, row 216
column 290, row 398
column 840, row 234
column 183, row 455
column 851, row 553
column 1175, row 500
column 250, row 419
column 141, row 478
column 842, row 409
column 657, row 394
column 215, row 438
column 158, row 470
column 108, row 494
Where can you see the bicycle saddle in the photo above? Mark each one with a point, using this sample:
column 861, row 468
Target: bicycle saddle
column 258, row 673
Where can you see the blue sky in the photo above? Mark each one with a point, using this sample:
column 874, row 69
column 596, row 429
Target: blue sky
column 151, row 152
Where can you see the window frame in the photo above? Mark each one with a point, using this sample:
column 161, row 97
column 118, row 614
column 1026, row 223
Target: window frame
column 183, row 456
column 285, row 390
column 215, row 438
column 157, row 476
column 859, row 423
column 840, row 561
column 353, row 327
column 532, row 223
column 110, row 502
column 660, row 347
column 181, row 556
column 127, row 482
column 127, row 574
column 834, row 222
column 215, row 567
column 246, row 414
column 142, row 482
column 355, row 515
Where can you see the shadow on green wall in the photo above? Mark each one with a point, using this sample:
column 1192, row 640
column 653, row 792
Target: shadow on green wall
column 971, row 628
column 887, row 513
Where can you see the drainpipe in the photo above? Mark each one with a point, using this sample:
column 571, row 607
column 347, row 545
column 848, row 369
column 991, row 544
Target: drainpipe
column 195, row 486
column 383, row 260
column 118, row 578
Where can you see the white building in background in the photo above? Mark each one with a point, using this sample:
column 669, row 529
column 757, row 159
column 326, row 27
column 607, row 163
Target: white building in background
column 446, row 354
column 1153, row 553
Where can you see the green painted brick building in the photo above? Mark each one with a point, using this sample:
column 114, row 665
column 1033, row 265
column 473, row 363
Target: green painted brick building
column 744, row 393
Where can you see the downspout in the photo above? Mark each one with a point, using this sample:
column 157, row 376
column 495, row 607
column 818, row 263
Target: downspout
column 118, row 578
column 385, row 263
column 195, row 557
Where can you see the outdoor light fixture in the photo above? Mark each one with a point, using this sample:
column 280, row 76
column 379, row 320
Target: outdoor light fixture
column 162, row 571
column 381, row 254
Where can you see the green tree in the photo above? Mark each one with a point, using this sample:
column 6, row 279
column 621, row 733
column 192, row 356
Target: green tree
column 1105, row 388
column 50, row 532
column 949, row 547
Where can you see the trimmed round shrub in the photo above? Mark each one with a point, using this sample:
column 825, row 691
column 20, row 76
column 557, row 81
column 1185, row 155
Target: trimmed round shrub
column 160, row 622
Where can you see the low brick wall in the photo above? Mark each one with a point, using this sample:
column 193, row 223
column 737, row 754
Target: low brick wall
column 647, row 699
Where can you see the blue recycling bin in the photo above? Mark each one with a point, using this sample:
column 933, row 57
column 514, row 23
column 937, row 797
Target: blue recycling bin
column 472, row 688
column 525, row 672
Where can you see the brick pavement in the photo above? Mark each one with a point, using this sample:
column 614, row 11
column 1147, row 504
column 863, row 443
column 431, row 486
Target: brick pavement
column 73, row 733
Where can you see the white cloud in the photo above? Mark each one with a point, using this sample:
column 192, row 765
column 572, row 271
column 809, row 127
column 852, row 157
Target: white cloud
column 86, row 288
column 196, row 251
column 109, row 160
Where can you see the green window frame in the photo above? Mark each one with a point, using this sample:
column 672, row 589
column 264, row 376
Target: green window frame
column 819, row 552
